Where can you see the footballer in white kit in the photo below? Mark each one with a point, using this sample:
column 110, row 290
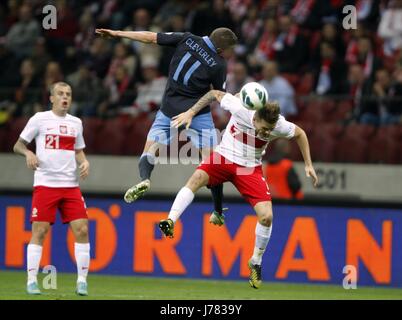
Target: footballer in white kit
column 59, row 146
column 56, row 140
column 238, row 159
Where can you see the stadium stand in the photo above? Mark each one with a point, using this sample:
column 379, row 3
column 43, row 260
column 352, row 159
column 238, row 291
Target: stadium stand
column 107, row 83
column 111, row 136
column 386, row 145
column 13, row 130
column 91, row 129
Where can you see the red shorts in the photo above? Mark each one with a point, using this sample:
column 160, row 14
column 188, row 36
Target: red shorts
column 45, row 202
column 249, row 181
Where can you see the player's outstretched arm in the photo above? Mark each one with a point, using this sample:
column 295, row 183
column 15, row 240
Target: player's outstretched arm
column 83, row 163
column 20, row 147
column 302, row 141
column 142, row 36
column 185, row 118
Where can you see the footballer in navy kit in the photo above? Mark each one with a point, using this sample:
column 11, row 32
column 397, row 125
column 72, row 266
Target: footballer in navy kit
column 197, row 65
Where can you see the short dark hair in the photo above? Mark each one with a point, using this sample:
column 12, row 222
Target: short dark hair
column 223, row 38
column 60, row 83
column 270, row 113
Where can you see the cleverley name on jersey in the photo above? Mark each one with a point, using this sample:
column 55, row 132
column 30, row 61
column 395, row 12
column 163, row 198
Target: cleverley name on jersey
column 201, row 52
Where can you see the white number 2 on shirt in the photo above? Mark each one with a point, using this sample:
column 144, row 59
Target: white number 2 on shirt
column 52, row 142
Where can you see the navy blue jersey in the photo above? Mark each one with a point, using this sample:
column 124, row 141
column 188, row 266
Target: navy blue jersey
column 194, row 67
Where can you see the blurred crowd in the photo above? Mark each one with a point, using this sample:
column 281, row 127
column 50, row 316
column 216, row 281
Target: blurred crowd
column 295, row 48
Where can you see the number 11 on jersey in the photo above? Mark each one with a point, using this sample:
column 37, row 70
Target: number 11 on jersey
column 190, row 70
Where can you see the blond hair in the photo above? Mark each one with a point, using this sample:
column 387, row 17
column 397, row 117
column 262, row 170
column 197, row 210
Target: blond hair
column 54, row 85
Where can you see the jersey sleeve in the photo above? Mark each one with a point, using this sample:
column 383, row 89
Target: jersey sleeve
column 169, row 38
column 284, row 128
column 79, row 142
column 31, row 129
column 231, row 103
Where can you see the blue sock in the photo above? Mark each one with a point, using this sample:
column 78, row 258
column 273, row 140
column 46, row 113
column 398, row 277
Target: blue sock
column 146, row 165
column 217, row 196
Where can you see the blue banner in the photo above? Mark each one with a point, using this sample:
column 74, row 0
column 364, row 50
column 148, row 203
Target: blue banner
column 308, row 243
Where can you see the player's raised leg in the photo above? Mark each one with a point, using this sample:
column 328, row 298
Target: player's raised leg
column 183, row 200
column 205, row 139
column 159, row 134
column 217, row 217
column 79, row 228
column 34, row 254
column 262, row 235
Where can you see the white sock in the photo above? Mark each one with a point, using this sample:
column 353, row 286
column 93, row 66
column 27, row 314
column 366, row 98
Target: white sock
column 82, row 257
column 262, row 236
column 182, row 201
column 34, row 254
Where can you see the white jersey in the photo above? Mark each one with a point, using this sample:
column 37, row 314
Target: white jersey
column 239, row 142
column 56, row 140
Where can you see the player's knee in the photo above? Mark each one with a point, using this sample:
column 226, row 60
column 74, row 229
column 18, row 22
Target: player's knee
column 266, row 219
column 39, row 233
column 197, row 180
column 82, row 231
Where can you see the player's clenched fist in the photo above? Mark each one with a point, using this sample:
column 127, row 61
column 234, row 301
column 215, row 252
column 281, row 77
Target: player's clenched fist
column 32, row 160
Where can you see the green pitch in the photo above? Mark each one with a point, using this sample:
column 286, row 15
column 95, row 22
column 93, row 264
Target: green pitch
column 12, row 286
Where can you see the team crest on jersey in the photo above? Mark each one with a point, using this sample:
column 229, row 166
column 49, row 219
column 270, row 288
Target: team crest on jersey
column 63, row 129
column 34, row 213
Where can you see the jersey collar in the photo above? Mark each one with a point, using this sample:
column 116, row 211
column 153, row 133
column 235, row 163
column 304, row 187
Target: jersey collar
column 56, row 116
column 209, row 43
